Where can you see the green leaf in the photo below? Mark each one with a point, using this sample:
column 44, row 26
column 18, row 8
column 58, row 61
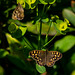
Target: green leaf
column 60, row 26
column 71, row 63
column 69, row 15
column 56, row 27
column 73, row 59
column 47, row 1
column 18, row 23
column 16, row 72
column 40, row 69
column 43, row 2
column 17, row 34
column 3, row 53
column 17, row 62
column 20, row 32
column 23, row 29
column 21, row 65
column 12, row 27
column 73, row 72
column 65, row 43
column 45, row 20
column 30, row 1
column 1, row 70
column 71, row 29
column 11, row 40
column 0, row 41
column 34, row 4
column 22, row 2
column 14, row 44
column 50, row 1
column 45, row 26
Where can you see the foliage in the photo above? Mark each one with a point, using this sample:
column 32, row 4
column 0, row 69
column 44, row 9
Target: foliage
column 48, row 24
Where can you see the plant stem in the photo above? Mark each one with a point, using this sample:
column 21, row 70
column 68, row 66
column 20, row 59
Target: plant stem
column 37, row 10
column 50, row 40
column 46, row 39
column 27, row 43
column 39, row 37
column 48, row 8
column 40, row 29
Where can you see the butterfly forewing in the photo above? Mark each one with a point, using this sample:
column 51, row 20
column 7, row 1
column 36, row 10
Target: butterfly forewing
column 52, row 57
column 38, row 56
column 18, row 13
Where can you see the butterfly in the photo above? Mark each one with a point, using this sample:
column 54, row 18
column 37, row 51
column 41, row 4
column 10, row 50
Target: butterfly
column 45, row 57
column 18, row 13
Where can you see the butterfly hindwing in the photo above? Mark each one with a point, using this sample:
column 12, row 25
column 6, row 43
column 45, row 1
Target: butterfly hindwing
column 38, row 56
column 18, row 13
column 52, row 57
column 50, row 64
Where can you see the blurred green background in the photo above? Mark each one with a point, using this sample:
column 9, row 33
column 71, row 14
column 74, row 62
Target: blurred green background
column 18, row 38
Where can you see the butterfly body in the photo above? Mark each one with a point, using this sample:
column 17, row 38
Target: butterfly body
column 18, row 13
column 45, row 57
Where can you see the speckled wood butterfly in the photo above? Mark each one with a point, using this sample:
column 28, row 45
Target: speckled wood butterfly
column 45, row 57
column 18, row 13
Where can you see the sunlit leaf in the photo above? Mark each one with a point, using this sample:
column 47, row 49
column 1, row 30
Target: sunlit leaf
column 23, row 29
column 22, row 2
column 43, row 2
column 73, row 72
column 30, row 1
column 50, row 1
column 45, row 20
column 40, row 69
column 34, row 28
column 11, row 40
column 61, row 26
column 3, row 53
column 69, row 15
column 65, row 43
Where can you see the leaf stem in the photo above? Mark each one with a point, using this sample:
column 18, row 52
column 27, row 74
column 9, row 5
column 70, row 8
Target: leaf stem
column 46, row 39
column 50, row 40
column 48, row 8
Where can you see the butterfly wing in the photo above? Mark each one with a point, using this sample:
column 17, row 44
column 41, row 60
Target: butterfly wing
column 18, row 13
column 52, row 57
column 38, row 56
